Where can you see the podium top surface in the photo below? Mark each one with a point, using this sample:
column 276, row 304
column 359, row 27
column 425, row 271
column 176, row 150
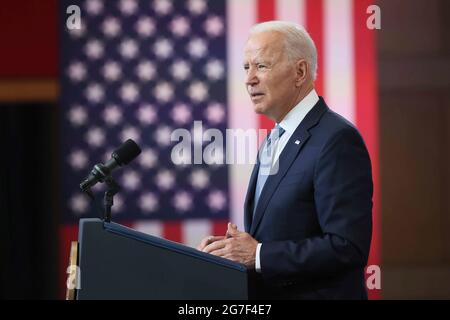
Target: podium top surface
column 160, row 242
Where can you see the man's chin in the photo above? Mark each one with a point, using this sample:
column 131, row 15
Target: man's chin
column 258, row 109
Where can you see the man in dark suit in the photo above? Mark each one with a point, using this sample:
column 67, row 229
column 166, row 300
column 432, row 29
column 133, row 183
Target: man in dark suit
column 308, row 219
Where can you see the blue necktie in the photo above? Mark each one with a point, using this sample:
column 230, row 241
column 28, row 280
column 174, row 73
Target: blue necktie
column 266, row 158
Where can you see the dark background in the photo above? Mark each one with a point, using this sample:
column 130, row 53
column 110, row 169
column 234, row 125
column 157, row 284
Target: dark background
column 28, row 195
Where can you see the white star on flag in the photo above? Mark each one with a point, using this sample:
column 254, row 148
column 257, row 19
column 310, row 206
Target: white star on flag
column 148, row 202
column 129, row 49
column 146, row 114
column 94, row 49
column 215, row 113
column 198, row 91
column 94, row 7
column 199, row 179
column 145, row 26
column 76, row 71
column 128, row 7
column 78, row 159
column 162, row 7
column 95, row 92
column 129, row 92
column 111, row 71
column 197, row 48
column 196, row 7
column 78, row 203
column 182, row 201
column 145, row 70
column 163, row 92
column 77, row 115
column 180, row 70
column 131, row 180
column 214, row 69
column 216, row 200
column 162, row 135
column 180, row 26
column 165, row 180
column 148, row 158
column 111, row 27
column 112, row 115
column 181, row 114
column 214, row 26
column 163, row 48
column 95, row 137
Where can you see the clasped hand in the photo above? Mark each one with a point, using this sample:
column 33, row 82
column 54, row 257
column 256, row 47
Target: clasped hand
column 236, row 245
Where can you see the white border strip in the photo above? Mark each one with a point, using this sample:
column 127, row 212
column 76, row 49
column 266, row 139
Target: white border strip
column 193, row 231
column 291, row 10
column 241, row 16
column 339, row 57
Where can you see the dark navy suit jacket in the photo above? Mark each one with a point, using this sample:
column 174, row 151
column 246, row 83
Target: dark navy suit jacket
column 314, row 217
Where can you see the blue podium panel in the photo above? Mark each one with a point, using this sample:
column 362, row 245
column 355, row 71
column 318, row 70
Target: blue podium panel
column 117, row 262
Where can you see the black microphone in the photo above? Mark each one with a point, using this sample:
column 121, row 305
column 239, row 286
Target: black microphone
column 121, row 156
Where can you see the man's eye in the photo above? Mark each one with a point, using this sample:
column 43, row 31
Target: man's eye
column 261, row 66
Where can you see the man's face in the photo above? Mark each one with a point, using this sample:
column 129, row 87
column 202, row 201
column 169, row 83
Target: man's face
column 270, row 76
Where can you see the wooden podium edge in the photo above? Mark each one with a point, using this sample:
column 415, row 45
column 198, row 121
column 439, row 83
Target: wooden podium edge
column 72, row 277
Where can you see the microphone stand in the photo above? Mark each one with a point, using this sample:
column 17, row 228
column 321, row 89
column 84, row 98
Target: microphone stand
column 112, row 189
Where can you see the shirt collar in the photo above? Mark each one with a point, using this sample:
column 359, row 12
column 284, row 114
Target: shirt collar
column 294, row 117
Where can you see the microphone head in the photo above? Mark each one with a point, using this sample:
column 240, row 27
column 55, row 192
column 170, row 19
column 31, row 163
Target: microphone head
column 126, row 152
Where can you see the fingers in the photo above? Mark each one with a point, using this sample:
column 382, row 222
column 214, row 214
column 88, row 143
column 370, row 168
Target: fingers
column 220, row 253
column 208, row 240
column 220, row 244
column 232, row 230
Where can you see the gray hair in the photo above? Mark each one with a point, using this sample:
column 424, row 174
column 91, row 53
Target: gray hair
column 298, row 42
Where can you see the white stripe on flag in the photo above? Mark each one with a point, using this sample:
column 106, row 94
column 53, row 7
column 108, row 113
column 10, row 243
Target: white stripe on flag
column 338, row 56
column 193, row 231
column 291, row 10
column 154, row 228
column 241, row 16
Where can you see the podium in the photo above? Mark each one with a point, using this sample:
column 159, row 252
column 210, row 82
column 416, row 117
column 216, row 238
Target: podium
column 116, row 262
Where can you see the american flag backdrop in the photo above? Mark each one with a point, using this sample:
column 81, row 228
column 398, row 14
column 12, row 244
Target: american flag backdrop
column 140, row 69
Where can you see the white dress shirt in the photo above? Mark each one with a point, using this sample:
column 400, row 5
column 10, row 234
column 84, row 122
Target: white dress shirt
column 289, row 123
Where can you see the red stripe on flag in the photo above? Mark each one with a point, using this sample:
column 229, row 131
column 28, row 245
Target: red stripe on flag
column 265, row 12
column 265, row 123
column 367, row 112
column 314, row 25
column 219, row 227
column 172, row 231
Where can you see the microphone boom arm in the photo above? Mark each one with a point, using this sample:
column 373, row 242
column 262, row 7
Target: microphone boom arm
column 112, row 189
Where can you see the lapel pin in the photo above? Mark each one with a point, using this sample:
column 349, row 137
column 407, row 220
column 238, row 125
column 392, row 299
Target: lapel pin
column 297, row 141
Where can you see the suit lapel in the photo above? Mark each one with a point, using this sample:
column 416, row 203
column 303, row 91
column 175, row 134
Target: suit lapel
column 287, row 156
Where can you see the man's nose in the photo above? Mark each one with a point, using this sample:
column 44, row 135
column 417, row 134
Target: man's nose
column 251, row 78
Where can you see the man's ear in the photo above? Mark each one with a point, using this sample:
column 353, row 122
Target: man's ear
column 302, row 72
